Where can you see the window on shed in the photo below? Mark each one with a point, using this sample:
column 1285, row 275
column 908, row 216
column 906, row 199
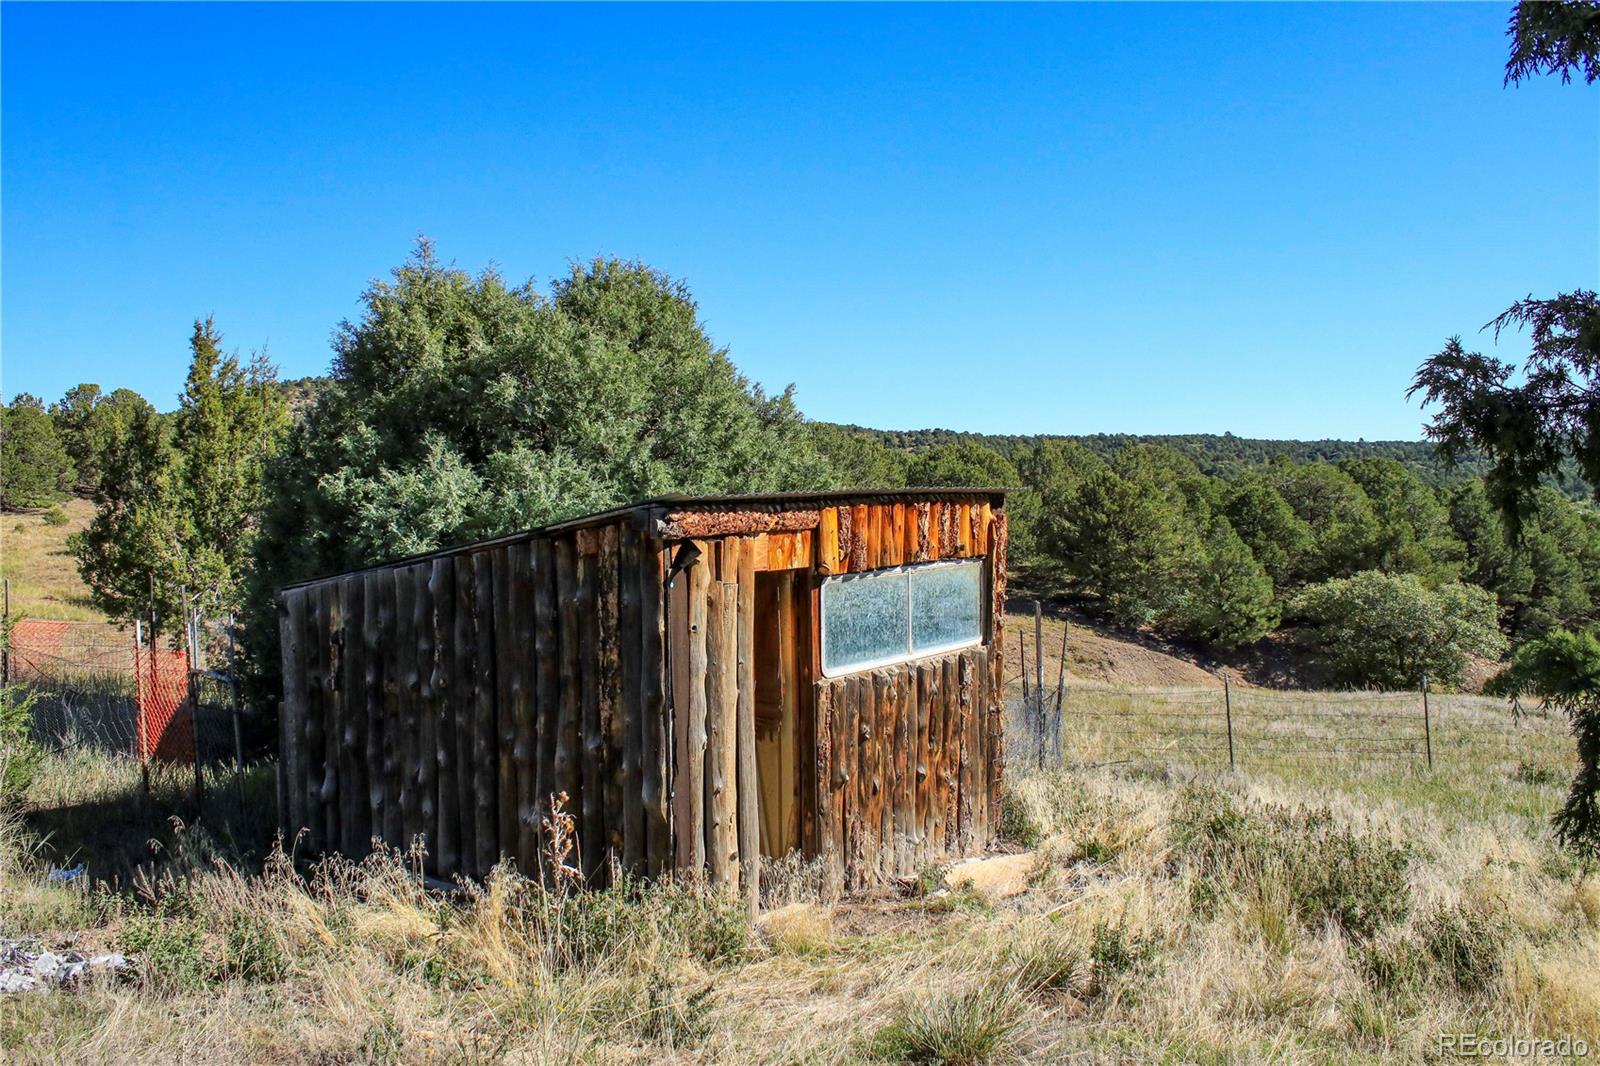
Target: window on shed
column 888, row 616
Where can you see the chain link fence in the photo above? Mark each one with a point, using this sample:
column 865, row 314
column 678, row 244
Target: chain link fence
column 114, row 689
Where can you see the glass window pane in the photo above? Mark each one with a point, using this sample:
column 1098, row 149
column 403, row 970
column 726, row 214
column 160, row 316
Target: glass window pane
column 946, row 606
column 863, row 620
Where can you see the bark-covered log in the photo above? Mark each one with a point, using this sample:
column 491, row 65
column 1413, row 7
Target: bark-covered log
column 485, row 752
column 654, row 724
column 748, row 796
column 567, row 774
column 547, row 695
column 609, row 691
column 292, row 745
column 693, row 785
column 447, row 796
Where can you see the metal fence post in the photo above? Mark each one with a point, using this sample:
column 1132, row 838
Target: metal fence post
column 233, row 689
column 1227, row 710
column 5, row 646
column 1427, row 722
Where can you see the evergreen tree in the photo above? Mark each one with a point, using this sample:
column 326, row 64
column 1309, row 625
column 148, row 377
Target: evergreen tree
column 177, row 510
column 1279, row 540
column 229, row 421
column 462, row 407
column 1413, row 534
column 858, row 460
column 89, row 423
column 1343, row 527
column 1226, row 599
column 35, row 470
column 132, row 555
column 72, row 416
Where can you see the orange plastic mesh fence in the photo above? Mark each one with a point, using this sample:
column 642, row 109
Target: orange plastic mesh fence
column 166, row 719
column 97, row 684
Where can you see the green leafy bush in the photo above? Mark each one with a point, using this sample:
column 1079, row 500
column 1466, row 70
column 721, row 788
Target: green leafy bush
column 1391, row 630
column 170, row 942
column 1116, row 951
column 55, row 516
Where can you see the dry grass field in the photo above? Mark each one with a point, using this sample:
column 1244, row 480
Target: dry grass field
column 33, row 557
column 1168, row 911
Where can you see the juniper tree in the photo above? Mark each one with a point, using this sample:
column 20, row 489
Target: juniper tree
column 462, row 407
column 35, row 470
column 1529, row 427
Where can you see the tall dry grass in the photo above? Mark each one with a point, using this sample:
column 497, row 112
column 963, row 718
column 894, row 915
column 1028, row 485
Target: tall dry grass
column 1175, row 914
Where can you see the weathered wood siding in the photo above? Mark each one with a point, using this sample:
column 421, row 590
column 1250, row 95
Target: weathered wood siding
column 449, row 698
column 902, row 764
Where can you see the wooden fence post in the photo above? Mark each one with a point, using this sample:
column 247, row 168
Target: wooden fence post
column 1038, row 675
column 1061, row 689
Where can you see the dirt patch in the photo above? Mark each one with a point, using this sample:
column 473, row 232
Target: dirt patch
column 1099, row 656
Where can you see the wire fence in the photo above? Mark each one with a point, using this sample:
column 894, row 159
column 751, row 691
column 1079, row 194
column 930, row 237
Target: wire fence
column 1241, row 727
column 1238, row 728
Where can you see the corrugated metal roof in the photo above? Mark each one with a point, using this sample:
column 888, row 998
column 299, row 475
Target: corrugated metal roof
column 768, row 501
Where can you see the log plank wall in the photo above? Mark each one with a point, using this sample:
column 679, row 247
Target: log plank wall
column 453, row 698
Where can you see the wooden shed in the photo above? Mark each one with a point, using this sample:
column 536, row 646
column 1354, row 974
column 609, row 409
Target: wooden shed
column 708, row 680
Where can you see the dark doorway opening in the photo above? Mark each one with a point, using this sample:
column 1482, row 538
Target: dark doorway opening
column 782, row 707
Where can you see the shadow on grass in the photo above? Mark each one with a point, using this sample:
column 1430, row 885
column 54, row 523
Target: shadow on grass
column 92, row 809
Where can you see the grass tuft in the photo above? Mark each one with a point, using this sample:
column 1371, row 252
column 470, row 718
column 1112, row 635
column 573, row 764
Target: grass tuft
column 973, row 1025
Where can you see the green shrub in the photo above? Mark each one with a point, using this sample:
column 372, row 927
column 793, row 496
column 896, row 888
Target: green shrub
column 975, row 1025
column 1116, row 951
column 55, row 516
column 19, row 755
column 171, row 944
column 930, row 879
column 1466, row 946
column 1391, row 630
column 1357, row 880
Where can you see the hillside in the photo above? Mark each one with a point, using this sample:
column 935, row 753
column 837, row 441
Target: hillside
column 34, row 558
column 1217, row 454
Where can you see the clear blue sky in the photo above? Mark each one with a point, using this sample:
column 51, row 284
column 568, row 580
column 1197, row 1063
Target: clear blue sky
column 1142, row 218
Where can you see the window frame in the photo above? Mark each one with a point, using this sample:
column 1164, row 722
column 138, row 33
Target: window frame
column 911, row 652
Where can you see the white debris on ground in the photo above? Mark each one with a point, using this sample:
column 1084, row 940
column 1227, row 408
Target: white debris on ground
column 24, row 970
